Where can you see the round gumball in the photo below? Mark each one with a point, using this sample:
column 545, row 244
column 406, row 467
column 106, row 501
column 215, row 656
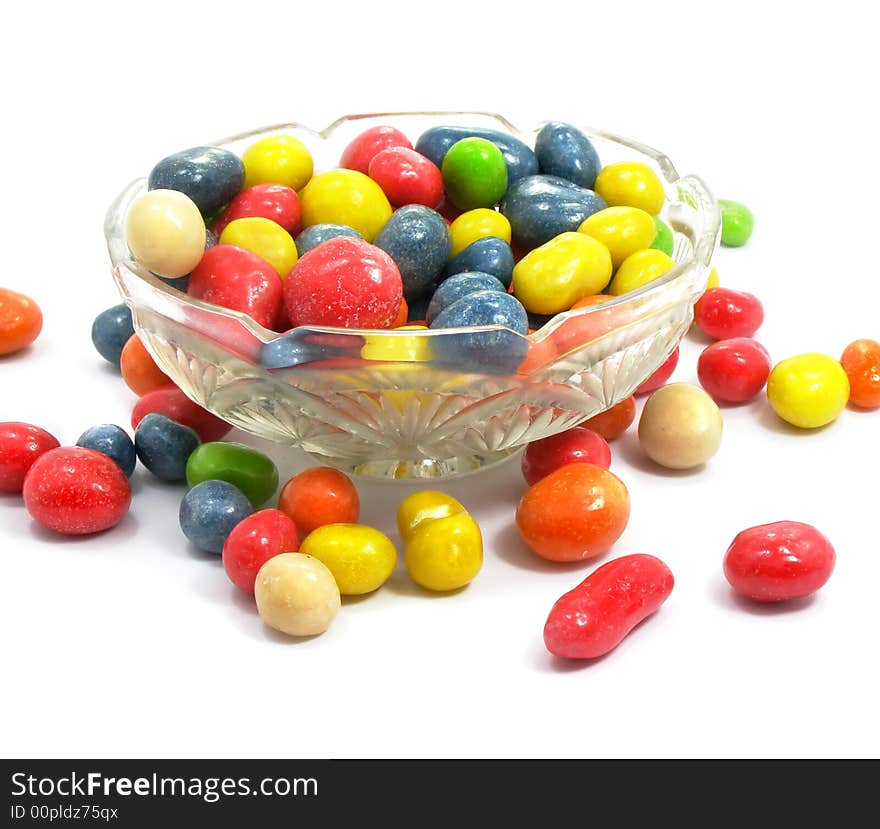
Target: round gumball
column 474, row 173
column 734, row 370
column 112, row 441
column 577, row 445
column 345, row 197
column 76, row 491
column 809, row 390
column 319, row 496
column 346, row 283
column 210, row 511
column 253, row 542
column 277, row 159
column 722, row 314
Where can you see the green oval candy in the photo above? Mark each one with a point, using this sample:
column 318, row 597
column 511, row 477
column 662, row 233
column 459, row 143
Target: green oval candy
column 474, row 174
column 251, row 471
column 663, row 240
column 737, row 223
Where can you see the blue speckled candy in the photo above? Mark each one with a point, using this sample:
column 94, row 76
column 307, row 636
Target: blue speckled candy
column 208, row 175
column 460, row 285
column 285, row 352
column 564, row 151
column 111, row 330
column 487, row 255
column 112, row 441
column 164, row 446
column 417, row 239
column 210, row 511
column 521, row 161
column 312, row 236
column 541, row 207
column 491, row 352
column 182, row 282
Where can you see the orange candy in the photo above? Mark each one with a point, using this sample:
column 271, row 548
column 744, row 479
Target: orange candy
column 139, row 370
column 861, row 362
column 575, row 513
column 319, row 496
column 613, row 422
column 402, row 314
column 20, row 321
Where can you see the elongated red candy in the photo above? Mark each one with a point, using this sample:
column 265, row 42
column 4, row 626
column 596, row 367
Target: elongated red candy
column 235, row 278
column 76, row 491
column 596, row 616
column 364, row 147
column 253, row 542
column 170, row 401
column 20, row 446
column 266, row 201
column 407, row 177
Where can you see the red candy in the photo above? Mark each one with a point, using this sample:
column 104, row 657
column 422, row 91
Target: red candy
column 722, row 313
column 407, row 177
column 76, row 491
column 596, row 616
column 344, row 282
column 235, row 278
column 577, row 445
column 659, row 377
column 734, row 370
column 777, row 562
column 267, row 201
column 365, row 147
column 253, row 542
column 20, row 446
column 170, row 401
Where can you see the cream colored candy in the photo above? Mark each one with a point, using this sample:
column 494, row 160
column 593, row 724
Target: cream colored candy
column 296, row 594
column 165, row 232
column 680, row 426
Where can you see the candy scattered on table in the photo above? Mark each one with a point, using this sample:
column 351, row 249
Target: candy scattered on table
column 778, row 562
column 577, row 445
column 319, row 496
column 734, row 370
column 164, row 446
column 210, row 511
column 139, row 369
column 596, row 616
column 76, row 491
column 861, row 362
column 737, row 223
column 680, row 426
column 809, row 390
column 661, row 375
column 360, row 558
column 111, row 330
column 21, row 444
column 112, row 441
column 20, row 321
column 255, row 540
column 251, row 471
column 722, row 313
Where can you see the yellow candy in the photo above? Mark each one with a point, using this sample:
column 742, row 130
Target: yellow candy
column 265, row 238
column 477, row 224
column 623, row 230
column 360, row 558
column 443, row 544
column 809, row 390
column 397, row 348
column 639, row 269
column 165, row 232
column 345, row 197
column 277, row 159
column 631, row 183
column 554, row 276
column 713, row 281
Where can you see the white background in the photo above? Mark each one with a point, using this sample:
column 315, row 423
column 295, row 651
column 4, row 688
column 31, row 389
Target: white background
column 133, row 644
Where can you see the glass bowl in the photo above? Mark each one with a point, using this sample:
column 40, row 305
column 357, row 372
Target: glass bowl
column 421, row 404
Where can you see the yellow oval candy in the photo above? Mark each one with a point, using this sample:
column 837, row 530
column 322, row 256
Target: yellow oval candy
column 477, row 224
column 419, row 507
column 277, row 159
column 360, row 558
column 639, row 269
column 623, row 230
column 445, row 553
column 265, row 238
column 631, row 183
column 345, row 197
column 809, row 390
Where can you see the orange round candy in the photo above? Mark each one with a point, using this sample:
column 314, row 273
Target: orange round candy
column 319, row 496
column 861, row 362
column 575, row 513
column 20, row 321
column 139, row 370
column 613, row 422
column 402, row 314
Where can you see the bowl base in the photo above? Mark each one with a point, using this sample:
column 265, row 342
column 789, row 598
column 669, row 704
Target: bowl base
column 425, row 469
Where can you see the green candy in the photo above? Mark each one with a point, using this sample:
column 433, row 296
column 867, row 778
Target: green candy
column 737, row 222
column 663, row 240
column 474, row 174
column 251, row 471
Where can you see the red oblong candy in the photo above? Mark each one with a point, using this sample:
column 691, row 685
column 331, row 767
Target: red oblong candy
column 253, row 542
column 721, row 313
column 344, row 282
column 235, row 278
column 76, row 491
column 364, row 147
column 576, row 445
column 170, row 401
column 596, row 616
column 21, row 444
column 779, row 561
column 661, row 375
column 407, row 177
column 734, row 370
column 267, row 201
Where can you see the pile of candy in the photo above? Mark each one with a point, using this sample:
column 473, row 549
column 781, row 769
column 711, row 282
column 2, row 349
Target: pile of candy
column 486, row 230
